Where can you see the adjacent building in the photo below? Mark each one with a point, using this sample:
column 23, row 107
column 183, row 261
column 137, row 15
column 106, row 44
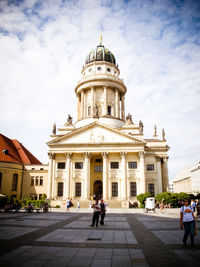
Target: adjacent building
column 188, row 180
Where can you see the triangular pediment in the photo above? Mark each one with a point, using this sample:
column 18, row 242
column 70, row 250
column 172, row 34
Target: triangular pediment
column 95, row 133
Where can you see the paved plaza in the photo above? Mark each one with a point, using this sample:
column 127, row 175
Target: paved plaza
column 128, row 238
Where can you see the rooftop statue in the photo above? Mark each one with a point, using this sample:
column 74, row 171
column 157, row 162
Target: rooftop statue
column 69, row 120
column 54, row 129
column 163, row 135
column 141, row 126
column 96, row 112
column 129, row 118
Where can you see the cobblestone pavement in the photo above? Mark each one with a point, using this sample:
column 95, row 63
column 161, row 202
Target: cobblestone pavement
column 128, row 238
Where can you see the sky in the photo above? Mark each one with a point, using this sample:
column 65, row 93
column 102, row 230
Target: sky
column 43, row 45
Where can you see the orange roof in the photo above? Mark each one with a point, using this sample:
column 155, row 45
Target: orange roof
column 15, row 152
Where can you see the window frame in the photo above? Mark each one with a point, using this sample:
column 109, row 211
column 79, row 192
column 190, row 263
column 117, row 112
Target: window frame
column 133, row 189
column 115, row 190
column 60, row 189
column 150, row 189
column 59, row 164
column 98, row 168
column 15, row 182
column 78, row 165
column 134, row 163
column 114, row 165
column 150, row 167
column 78, row 189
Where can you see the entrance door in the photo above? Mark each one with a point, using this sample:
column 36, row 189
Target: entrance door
column 97, row 189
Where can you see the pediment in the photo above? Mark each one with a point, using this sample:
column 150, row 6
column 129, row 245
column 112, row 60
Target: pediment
column 95, row 133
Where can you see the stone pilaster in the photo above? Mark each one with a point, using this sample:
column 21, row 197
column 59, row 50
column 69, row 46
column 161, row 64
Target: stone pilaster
column 67, row 176
column 116, row 103
column 165, row 175
column 105, row 106
column 105, row 175
column 159, row 175
column 82, row 104
column 142, row 173
column 124, row 177
column 92, row 98
column 87, row 175
column 51, row 158
column 122, row 108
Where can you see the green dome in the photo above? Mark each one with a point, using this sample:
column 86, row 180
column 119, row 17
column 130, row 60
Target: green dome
column 100, row 53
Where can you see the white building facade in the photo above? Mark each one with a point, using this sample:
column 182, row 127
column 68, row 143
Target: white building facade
column 104, row 154
column 188, row 180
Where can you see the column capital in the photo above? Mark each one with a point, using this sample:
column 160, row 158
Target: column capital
column 86, row 154
column 52, row 155
column 105, row 154
column 165, row 158
column 68, row 155
column 141, row 154
column 105, row 86
column 123, row 154
column 158, row 159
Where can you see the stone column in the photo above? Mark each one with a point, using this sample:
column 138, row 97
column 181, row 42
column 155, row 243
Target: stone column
column 142, row 173
column 159, row 175
column 51, row 157
column 124, row 177
column 165, row 175
column 77, row 103
column 116, row 103
column 67, row 176
column 53, row 179
column 92, row 98
column 85, row 104
column 105, row 100
column 123, row 108
column 87, row 175
column 105, row 175
column 82, row 104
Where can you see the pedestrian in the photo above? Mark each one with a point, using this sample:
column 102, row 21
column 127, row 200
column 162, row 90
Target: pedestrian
column 187, row 220
column 78, row 205
column 96, row 211
column 68, row 205
column 102, row 211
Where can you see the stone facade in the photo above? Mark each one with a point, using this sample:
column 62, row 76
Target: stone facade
column 104, row 154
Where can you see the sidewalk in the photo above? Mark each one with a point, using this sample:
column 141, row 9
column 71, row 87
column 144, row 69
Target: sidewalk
column 129, row 238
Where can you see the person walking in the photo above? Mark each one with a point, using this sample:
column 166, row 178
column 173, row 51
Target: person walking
column 68, row 205
column 102, row 211
column 95, row 217
column 78, row 205
column 187, row 221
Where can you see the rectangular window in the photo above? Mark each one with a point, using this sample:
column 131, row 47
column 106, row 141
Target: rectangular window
column 98, row 160
column 78, row 165
column 37, row 180
column 61, row 165
column 14, row 182
column 32, row 196
column 35, row 197
column 150, row 167
column 109, row 110
column 40, row 196
column 78, row 190
column 132, row 165
column 60, row 189
column 98, row 168
column 114, row 165
column 89, row 111
column 151, row 189
column 41, row 180
column 32, row 180
column 115, row 189
column 133, row 189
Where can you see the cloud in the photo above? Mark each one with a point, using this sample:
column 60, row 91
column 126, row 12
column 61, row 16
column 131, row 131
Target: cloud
column 156, row 44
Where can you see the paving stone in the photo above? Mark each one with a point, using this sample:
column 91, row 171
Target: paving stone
column 101, row 263
column 28, row 222
column 10, row 232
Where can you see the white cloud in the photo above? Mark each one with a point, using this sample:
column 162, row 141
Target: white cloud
column 43, row 47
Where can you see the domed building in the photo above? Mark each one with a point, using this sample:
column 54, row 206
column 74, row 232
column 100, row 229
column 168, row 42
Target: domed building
column 103, row 153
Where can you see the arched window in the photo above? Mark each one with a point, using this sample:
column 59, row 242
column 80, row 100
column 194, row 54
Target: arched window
column 14, row 183
column 0, row 179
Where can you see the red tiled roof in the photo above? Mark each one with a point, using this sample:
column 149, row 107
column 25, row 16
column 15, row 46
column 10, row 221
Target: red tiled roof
column 17, row 153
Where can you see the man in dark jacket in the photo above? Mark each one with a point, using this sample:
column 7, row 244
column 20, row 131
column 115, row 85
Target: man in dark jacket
column 102, row 211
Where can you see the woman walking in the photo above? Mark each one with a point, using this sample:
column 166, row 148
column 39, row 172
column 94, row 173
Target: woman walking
column 187, row 220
